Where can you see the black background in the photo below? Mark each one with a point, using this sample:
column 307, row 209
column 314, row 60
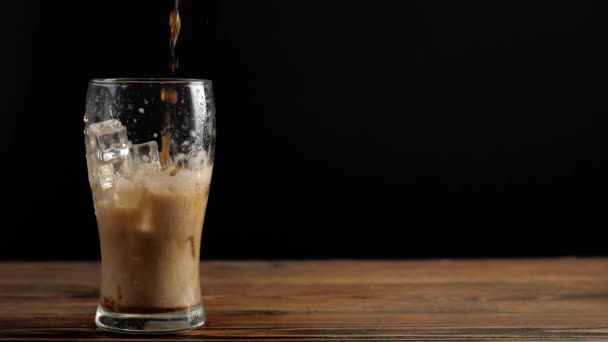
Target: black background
column 371, row 129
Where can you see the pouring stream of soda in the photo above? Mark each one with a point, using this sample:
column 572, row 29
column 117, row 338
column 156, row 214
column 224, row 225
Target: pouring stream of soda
column 175, row 24
column 168, row 94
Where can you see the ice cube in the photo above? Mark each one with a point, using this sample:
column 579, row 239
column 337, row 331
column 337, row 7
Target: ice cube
column 108, row 172
column 104, row 127
column 106, row 176
column 146, row 152
column 108, row 139
column 146, row 157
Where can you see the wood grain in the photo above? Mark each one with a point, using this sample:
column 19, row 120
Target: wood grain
column 486, row 300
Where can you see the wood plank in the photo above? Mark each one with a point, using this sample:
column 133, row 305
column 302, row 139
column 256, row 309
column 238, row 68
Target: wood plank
column 438, row 300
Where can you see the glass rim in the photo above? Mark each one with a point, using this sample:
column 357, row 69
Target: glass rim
column 148, row 81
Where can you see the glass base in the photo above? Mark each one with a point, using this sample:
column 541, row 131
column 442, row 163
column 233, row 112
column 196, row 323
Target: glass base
column 164, row 323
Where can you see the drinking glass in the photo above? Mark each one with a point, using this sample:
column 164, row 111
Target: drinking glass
column 149, row 150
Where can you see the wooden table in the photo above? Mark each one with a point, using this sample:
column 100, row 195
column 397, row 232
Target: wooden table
column 439, row 300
